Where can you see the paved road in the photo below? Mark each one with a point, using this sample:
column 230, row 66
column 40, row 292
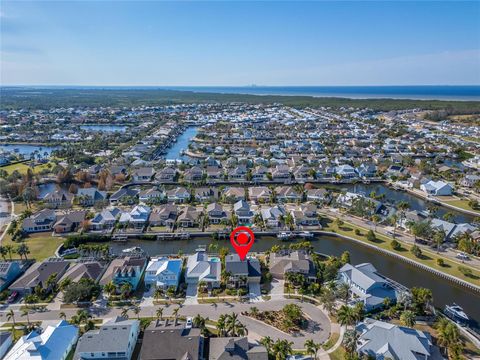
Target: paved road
column 319, row 325
column 4, row 220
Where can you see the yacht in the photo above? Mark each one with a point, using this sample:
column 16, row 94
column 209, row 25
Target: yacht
column 285, row 235
column 305, row 234
column 456, row 313
column 134, row 249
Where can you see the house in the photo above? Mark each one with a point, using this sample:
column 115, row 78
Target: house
column 163, row 272
column 105, row 220
column 346, row 171
column 58, row 199
column 193, row 174
column 367, row 285
column 238, row 173
column 272, row 216
column 366, row 170
column 54, row 343
column 69, row 222
column 306, row 215
column 470, row 180
column 124, row 195
column 92, row 270
column 38, row 275
column 178, row 195
column 235, row 348
column 292, row 262
column 41, row 221
column 115, row 339
column 189, row 217
column 242, row 211
column 444, row 226
column 215, row 213
column 233, row 194
column 437, row 188
column 202, row 268
column 150, row 195
column 90, row 196
column 287, row 194
column 205, row 194
column 164, row 215
column 303, row 173
column 143, row 174
column 9, row 271
column 123, row 270
column 167, row 340
column 382, row 340
column 281, row 173
column 260, row 173
column 259, row 193
column 118, row 170
column 167, row 174
column 319, row 195
column 137, row 217
column 242, row 273
column 6, row 340
column 395, row 170
column 214, row 173
column 411, row 217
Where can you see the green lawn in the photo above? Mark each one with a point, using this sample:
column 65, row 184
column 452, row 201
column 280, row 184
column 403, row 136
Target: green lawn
column 23, row 167
column 429, row 258
column 331, row 341
column 41, row 245
column 338, row 354
column 463, row 204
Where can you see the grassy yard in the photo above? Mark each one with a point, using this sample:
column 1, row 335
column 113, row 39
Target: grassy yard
column 331, row 341
column 41, row 245
column 428, row 258
column 338, row 354
column 23, row 167
column 463, row 204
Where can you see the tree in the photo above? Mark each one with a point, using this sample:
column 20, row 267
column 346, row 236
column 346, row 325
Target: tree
column 136, row 311
column 408, row 318
column 267, row 342
column 422, row 298
column 221, row 325
column 3, row 252
column 371, row 236
column 312, row 348
column 349, row 342
column 395, row 245
column 110, row 288
column 84, row 290
column 233, row 326
column 327, row 297
column 25, row 312
column 62, row 315
column 346, row 316
column 281, row 349
column 343, row 292
column 175, row 314
column 159, row 313
column 345, row 258
column 124, row 312
column 23, row 250
column 126, row 289
column 11, row 316
column 448, row 337
column 376, row 219
column 415, row 250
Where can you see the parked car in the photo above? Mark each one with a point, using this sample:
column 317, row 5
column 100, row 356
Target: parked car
column 189, row 323
column 11, row 298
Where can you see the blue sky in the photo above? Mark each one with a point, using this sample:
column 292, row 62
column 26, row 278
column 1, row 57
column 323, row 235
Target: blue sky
column 239, row 43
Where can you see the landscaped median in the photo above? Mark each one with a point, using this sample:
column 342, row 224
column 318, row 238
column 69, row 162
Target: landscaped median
column 428, row 258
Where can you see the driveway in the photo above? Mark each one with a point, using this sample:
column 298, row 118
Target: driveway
column 191, row 294
column 276, row 292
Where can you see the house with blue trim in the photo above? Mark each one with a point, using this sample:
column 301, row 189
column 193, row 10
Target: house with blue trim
column 162, row 272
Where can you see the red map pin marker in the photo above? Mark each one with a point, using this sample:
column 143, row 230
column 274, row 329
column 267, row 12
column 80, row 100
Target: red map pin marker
column 242, row 239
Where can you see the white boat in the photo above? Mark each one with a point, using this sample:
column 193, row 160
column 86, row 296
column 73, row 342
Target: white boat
column 305, row 234
column 132, row 250
column 456, row 313
column 285, row 235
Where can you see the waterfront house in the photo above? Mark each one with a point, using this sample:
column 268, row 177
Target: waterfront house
column 90, row 196
column 366, row 170
column 470, row 180
column 287, row 194
column 53, row 343
column 167, row 340
column 92, row 270
column 115, row 339
column 167, row 174
column 259, row 173
column 41, row 221
column 259, row 193
column 281, row 173
column 164, row 215
column 292, row 262
column 302, row 173
column 437, row 188
column 306, row 215
column 69, row 222
column 202, row 268
column 272, row 216
column 143, row 174
column 242, row 211
column 215, row 213
column 105, row 220
column 123, row 270
column 346, row 171
column 233, row 194
column 214, row 173
column 382, row 340
column 38, row 274
column 178, row 195
column 162, row 272
column 242, row 273
column 124, row 195
column 318, row 195
column 238, row 173
column 235, row 348
column 137, row 217
column 9, row 271
column 189, row 217
column 58, row 199
column 366, row 285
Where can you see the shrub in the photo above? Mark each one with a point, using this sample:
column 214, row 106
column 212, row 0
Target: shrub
column 371, row 236
column 358, row 232
column 415, row 250
column 395, row 245
column 440, row 262
column 465, row 271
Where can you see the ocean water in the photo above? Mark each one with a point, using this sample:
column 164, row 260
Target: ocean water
column 436, row 92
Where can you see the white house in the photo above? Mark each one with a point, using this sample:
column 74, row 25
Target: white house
column 163, row 272
column 438, row 188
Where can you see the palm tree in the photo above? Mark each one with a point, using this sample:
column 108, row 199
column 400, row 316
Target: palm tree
column 282, row 349
column 11, row 316
column 3, row 252
column 124, row 313
column 110, row 288
column 312, row 348
column 175, row 314
column 221, row 325
column 25, row 312
column 159, row 313
column 346, row 316
column 62, row 315
column 136, row 311
column 448, row 337
column 267, row 342
column 254, row 311
column 234, row 327
column 350, row 340
column 9, row 249
column 198, row 321
column 376, row 219
column 126, row 289
column 408, row 318
column 343, row 292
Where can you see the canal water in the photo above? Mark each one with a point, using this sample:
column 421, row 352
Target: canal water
column 104, row 128
column 28, row 150
column 444, row 291
column 174, row 152
column 394, row 196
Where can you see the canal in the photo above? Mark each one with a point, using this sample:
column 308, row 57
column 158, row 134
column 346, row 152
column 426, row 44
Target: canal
column 444, row 291
column 175, row 151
